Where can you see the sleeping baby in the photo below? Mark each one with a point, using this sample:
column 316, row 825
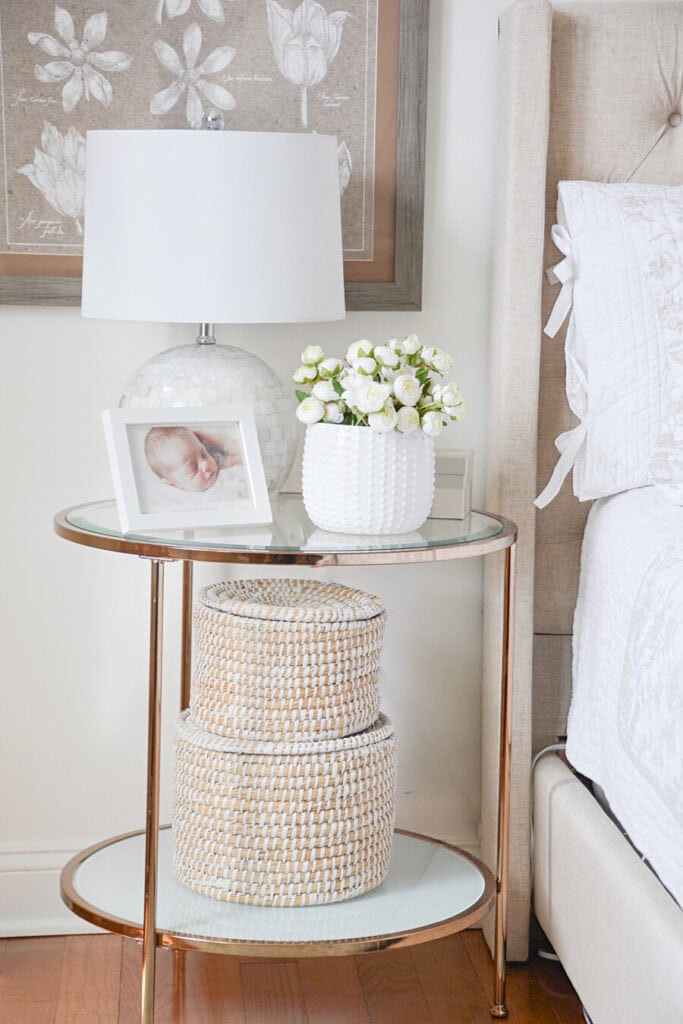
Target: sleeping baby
column 190, row 459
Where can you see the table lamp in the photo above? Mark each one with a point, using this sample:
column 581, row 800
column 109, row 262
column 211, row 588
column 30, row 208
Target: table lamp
column 207, row 227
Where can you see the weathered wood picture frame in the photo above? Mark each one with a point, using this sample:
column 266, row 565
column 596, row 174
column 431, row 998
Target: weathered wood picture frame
column 77, row 74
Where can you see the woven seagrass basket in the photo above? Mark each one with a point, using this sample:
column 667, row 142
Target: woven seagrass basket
column 287, row 660
column 283, row 824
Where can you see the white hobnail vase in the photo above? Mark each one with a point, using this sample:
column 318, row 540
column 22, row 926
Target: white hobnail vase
column 357, row 481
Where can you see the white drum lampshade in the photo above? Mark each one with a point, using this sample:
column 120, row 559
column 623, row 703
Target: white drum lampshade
column 210, row 227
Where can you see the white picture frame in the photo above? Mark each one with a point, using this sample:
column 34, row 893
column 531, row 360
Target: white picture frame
column 375, row 89
column 181, row 468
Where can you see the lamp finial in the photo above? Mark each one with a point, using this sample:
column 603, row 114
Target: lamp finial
column 213, row 121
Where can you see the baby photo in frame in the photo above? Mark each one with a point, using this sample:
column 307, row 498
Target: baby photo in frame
column 186, row 467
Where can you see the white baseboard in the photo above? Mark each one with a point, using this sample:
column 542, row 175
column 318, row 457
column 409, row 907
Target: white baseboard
column 469, row 846
column 472, row 847
column 68, row 924
column 29, row 895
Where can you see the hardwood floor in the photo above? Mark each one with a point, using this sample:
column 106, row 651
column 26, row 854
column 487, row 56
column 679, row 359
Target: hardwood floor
column 96, row 980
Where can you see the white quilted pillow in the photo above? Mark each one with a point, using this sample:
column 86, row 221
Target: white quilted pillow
column 622, row 277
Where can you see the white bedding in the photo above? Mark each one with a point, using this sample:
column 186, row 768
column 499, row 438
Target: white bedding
column 625, row 728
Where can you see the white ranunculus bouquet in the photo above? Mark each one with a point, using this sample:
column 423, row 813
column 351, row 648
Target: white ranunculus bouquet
column 385, row 387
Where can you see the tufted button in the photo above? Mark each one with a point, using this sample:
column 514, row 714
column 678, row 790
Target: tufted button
column 674, row 119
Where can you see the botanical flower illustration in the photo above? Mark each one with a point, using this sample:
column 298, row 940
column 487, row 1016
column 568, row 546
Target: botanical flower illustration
column 305, row 42
column 174, row 8
column 384, row 387
column 190, row 78
column 58, row 171
column 345, row 166
column 78, row 63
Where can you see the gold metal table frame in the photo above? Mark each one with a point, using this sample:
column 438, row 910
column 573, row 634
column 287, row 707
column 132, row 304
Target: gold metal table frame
column 74, row 524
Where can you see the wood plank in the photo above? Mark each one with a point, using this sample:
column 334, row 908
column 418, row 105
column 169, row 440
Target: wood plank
column 211, row 990
column 130, row 994
column 450, row 983
column 525, row 999
column 445, row 982
column 272, row 993
column 557, row 987
column 30, row 983
column 90, row 980
column 391, row 988
column 332, row 992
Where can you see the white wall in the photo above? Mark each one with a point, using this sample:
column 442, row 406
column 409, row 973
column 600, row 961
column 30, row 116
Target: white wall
column 73, row 621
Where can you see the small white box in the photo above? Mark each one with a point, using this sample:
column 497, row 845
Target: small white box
column 452, row 484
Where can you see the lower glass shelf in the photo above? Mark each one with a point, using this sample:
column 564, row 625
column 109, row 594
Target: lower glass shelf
column 432, row 889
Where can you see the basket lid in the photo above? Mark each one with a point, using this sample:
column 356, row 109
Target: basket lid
column 291, row 600
column 188, row 730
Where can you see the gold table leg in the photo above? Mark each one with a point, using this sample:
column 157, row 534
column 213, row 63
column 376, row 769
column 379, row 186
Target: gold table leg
column 499, row 1009
column 186, row 664
column 178, row 984
column 152, row 810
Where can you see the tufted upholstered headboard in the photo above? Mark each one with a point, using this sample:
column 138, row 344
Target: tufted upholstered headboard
column 586, row 91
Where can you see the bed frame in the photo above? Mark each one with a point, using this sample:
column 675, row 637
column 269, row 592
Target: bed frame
column 586, row 91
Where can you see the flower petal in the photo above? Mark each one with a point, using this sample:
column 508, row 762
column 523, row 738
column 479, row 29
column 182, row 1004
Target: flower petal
column 174, row 8
column 64, row 25
column 216, row 61
column 311, row 18
column 305, row 14
column 110, row 60
column 333, row 33
column 73, row 147
column 303, row 61
column 194, row 111
column 47, row 170
column 160, row 11
column 30, row 172
column 279, row 30
column 299, row 18
column 217, row 95
column 192, row 44
column 48, row 45
column 72, row 91
column 94, row 31
column 168, row 57
column 51, row 141
column 279, row 13
column 69, row 194
column 167, row 98
column 213, row 9
column 55, row 71
column 48, row 194
column 97, row 85
column 345, row 166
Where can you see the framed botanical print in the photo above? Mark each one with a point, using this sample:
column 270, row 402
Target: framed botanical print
column 355, row 69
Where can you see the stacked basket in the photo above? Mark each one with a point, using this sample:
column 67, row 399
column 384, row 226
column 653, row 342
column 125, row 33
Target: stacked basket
column 285, row 771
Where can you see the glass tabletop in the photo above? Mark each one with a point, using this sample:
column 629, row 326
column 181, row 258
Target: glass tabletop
column 290, row 538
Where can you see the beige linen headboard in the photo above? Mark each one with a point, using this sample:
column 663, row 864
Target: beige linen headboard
column 586, row 92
